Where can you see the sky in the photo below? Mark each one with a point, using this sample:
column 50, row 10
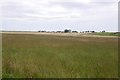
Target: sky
column 53, row 15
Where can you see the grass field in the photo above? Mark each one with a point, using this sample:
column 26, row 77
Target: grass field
column 107, row 34
column 45, row 56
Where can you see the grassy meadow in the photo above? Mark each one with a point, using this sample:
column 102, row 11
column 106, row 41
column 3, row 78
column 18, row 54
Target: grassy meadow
column 106, row 33
column 47, row 56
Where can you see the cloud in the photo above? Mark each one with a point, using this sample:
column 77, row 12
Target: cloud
column 53, row 9
column 59, row 11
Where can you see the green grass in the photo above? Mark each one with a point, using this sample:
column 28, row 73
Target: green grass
column 42, row 56
column 106, row 34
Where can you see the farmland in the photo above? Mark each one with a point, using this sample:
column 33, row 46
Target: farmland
column 54, row 56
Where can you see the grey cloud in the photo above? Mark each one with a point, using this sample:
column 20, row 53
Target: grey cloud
column 73, row 5
column 105, row 0
column 12, row 10
column 16, row 10
column 76, row 5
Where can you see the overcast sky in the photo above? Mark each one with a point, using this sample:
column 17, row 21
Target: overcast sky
column 50, row 15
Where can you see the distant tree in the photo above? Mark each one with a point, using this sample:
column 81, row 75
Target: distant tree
column 74, row 32
column 103, row 31
column 92, row 31
column 59, row 31
column 43, row 31
column 67, row 30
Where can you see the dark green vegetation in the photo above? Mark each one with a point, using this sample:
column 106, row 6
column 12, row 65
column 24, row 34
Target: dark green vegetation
column 107, row 33
column 43, row 56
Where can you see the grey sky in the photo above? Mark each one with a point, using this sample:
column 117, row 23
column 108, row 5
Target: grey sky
column 60, row 14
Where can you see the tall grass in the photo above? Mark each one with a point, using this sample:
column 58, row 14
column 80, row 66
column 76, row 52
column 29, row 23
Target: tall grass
column 106, row 33
column 42, row 56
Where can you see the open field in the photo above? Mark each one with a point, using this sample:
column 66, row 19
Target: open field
column 48, row 56
column 108, row 35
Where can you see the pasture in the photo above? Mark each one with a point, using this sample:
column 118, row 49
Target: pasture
column 52, row 56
